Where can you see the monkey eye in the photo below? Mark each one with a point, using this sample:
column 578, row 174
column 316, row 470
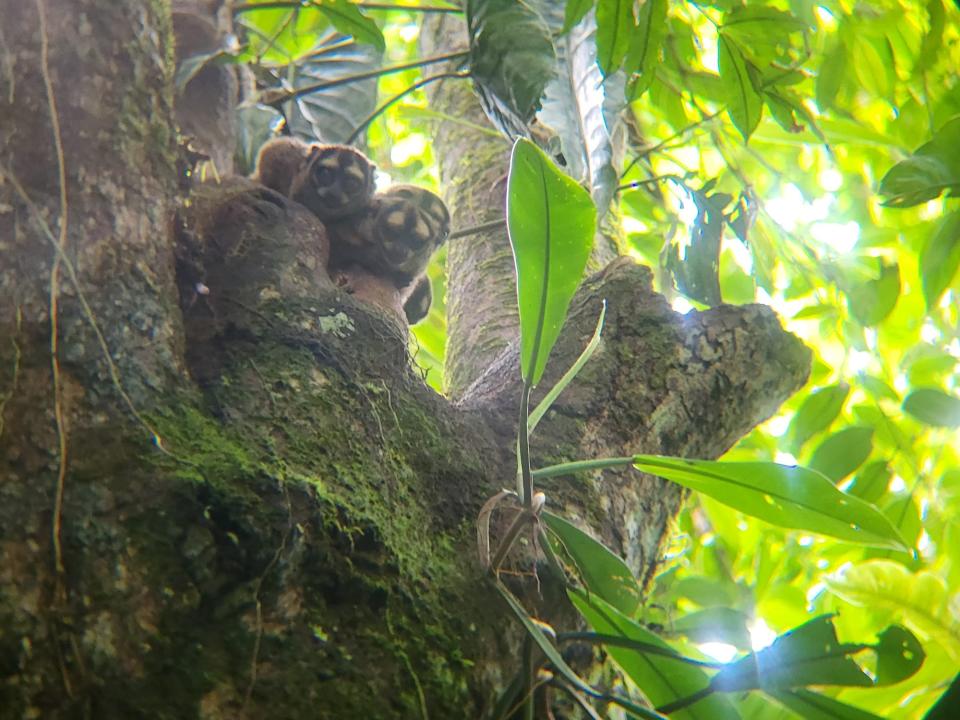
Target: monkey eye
column 324, row 175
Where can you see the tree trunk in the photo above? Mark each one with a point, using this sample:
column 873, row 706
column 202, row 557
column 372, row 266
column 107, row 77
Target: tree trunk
column 247, row 503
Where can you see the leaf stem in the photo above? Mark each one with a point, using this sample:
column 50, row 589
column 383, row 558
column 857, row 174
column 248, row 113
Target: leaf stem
column 523, row 443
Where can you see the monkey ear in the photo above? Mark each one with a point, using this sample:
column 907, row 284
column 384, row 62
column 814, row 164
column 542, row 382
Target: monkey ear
column 312, row 150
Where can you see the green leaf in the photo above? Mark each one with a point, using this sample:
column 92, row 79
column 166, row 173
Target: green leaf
column 347, row 18
column 511, row 60
column 905, row 516
column 615, row 24
column 813, row 706
column 332, row 113
column 948, row 706
column 662, row 678
column 807, row 655
column 933, row 168
column 940, row 258
column 715, row 624
column 743, row 101
column 574, row 12
column 843, row 452
column 921, row 600
column 933, row 407
column 871, row 482
column 818, row 410
column 832, row 73
column 789, row 497
column 539, row 636
column 899, row 655
column 916, row 180
column 933, row 39
column 872, row 301
column 643, row 55
column 603, row 573
column 551, row 222
column 762, row 31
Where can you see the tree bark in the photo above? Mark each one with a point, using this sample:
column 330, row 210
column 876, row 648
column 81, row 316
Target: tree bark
column 247, row 503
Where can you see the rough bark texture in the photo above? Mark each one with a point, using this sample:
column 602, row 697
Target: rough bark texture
column 303, row 543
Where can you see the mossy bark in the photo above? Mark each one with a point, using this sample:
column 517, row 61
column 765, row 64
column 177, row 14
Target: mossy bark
column 265, row 512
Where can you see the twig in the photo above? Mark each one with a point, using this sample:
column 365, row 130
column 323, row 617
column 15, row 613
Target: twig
column 278, row 98
column 246, row 7
column 416, row 86
column 483, row 227
column 663, row 143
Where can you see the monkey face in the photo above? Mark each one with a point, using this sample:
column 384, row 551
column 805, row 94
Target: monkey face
column 410, row 223
column 336, row 181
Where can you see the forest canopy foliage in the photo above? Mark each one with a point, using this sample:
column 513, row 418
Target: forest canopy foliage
column 801, row 154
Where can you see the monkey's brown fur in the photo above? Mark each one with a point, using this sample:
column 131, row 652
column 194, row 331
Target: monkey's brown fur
column 388, row 236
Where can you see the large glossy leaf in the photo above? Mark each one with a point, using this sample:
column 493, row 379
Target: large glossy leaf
column 818, row 410
column 940, row 258
column 920, row 599
column 573, row 107
column 551, row 221
column 615, row 24
column 662, row 676
column 332, row 114
column 511, row 61
column 603, row 573
column 790, row 497
column 644, row 52
column 933, row 407
column 744, row 102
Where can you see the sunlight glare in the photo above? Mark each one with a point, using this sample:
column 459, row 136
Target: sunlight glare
column 633, row 225
column 785, row 458
column 830, row 179
column 410, row 147
column 761, row 635
column 719, row 651
column 839, row 237
column 778, row 425
column 409, row 32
